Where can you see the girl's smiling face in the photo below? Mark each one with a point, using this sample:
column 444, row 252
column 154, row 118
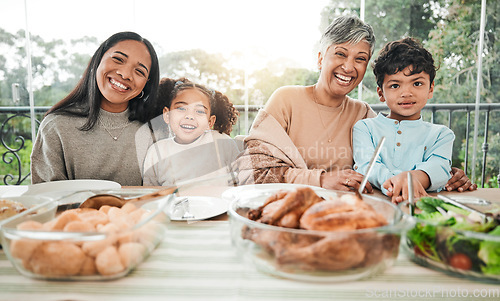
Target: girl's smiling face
column 189, row 115
column 122, row 74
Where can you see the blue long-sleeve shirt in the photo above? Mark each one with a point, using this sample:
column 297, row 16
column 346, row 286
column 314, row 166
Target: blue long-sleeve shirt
column 409, row 145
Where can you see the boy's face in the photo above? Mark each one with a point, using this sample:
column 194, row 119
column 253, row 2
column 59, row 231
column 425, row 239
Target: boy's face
column 189, row 115
column 406, row 94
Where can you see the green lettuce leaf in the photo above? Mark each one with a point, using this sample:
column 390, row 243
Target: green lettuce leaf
column 489, row 252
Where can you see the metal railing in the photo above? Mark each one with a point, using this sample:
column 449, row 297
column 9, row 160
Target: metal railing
column 17, row 141
column 13, row 147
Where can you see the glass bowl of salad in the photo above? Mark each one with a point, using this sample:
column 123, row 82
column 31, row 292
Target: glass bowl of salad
column 454, row 240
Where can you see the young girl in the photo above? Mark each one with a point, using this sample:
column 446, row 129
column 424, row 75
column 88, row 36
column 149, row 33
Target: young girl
column 200, row 120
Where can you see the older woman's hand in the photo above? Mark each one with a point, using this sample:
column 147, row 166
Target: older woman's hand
column 459, row 181
column 346, row 179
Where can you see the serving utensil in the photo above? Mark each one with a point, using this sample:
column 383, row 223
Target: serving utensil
column 185, row 207
column 411, row 201
column 99, row 200
column 471, row 200
column 370, row 167
column 484, row 216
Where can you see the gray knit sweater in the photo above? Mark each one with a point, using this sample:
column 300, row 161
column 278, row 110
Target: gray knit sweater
column 63, row 152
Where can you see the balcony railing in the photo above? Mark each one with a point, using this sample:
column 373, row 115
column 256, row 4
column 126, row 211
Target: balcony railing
column 16, row 143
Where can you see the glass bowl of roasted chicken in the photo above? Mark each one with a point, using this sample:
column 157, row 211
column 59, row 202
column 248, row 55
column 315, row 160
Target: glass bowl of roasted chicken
column 85, row 243
column 315, row 234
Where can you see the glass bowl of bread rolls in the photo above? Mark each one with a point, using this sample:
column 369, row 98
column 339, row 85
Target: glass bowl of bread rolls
column 316, row 235
column 85, row 243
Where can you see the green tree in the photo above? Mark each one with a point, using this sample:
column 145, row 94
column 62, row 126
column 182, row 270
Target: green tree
column 205, row 68
column 267, row 82
column 199, row 66
column 56, row 66
column 454, row 43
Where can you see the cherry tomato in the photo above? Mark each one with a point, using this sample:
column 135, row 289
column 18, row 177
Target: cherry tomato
column 460, row 261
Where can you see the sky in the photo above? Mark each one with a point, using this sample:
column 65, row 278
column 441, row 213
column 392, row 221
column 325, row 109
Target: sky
column 260, row 29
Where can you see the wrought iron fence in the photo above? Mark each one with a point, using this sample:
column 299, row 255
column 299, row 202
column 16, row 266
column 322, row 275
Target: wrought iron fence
column 14, row 142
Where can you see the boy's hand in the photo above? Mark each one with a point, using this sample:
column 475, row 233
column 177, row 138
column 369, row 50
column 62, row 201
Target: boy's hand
column 459, row 181
column 397, row 186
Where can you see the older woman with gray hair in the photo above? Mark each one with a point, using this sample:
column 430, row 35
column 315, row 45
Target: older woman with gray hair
column 304, row 133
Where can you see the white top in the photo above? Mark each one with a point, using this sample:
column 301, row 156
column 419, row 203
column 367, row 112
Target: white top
column 170, row 163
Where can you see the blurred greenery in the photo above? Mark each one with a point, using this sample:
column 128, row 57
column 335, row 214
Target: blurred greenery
column 11, row 161
column 448, row 28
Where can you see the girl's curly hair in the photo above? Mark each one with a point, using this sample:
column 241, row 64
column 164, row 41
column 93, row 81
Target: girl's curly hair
column 225, row 113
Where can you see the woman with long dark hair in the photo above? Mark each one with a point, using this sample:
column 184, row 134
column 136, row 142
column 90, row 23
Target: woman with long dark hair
column 91, row 133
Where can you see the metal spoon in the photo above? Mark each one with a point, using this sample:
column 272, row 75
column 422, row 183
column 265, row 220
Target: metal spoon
column 484, row 216
column 370, row 167
column 99, row 200
column 411, row 202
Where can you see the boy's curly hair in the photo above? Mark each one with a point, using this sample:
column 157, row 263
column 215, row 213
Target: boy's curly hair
column 400, row 54
column 225, row 113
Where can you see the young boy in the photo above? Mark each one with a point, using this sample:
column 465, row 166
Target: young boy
column 405, row 73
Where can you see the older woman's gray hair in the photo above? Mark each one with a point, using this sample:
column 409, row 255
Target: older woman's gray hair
column 347, row 29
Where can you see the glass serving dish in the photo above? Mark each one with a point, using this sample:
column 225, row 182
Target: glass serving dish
column 41, row 208
column 453, row 244
column 85, row 244
column 319, row 256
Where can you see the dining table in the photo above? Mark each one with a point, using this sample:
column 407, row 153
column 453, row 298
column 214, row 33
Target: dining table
column 197, row 261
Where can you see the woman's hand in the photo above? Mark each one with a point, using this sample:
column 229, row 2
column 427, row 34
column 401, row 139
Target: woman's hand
column 397, row 186
column 459, row 181
column 346, row 179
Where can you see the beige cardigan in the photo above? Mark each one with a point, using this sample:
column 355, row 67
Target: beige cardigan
column 271, row 157
column 295, row 140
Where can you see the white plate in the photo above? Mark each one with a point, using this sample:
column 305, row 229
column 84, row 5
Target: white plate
column 73, row 191
column 201, row 207
column 245, row 191
column 70, row 185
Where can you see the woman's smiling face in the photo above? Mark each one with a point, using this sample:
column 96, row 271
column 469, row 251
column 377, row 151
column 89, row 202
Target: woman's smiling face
column 343, row 67
column 189, row 115
column 122, row 74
